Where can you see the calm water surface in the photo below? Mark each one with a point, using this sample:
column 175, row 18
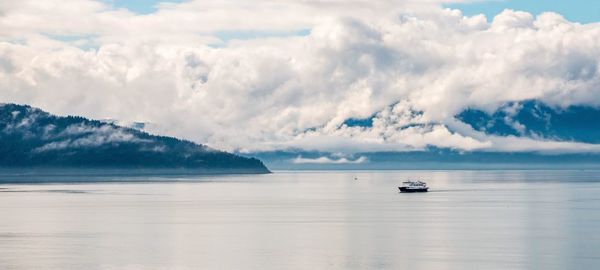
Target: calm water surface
column 305, row 220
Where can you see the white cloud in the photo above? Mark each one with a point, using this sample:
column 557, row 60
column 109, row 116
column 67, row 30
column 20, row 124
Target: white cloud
column 327, row 160
column 392, row 60
column 179, row 20
column 90, row 136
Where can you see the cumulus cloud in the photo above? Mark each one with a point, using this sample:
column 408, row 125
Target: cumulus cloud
column 412, row 68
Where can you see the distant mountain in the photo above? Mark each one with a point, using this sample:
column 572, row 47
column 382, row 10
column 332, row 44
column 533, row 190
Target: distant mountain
column 531, row 118
column 430, row 158
column 30, row 137
column 535, row 119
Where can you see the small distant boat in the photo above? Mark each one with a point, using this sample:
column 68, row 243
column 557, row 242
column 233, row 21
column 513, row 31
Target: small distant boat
column 413, row 186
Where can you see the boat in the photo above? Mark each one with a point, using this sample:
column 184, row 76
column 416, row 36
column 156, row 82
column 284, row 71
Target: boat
column 413, row 186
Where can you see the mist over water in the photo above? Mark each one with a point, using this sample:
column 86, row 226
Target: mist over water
column 487, row 219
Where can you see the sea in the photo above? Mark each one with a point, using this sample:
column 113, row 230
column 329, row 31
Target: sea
column 470, row 219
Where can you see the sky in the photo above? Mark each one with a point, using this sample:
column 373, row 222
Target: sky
column 138, row 6
column 282, row 74
column 583, row 11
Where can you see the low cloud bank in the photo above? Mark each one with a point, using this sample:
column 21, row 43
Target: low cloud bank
column 328, row 160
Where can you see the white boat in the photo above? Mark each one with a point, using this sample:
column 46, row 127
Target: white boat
column 413, row 186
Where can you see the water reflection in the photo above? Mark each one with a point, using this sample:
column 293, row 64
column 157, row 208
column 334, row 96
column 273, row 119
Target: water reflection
column 309, row 220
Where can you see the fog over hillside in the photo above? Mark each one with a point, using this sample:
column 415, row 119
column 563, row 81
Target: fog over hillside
column 30, row 137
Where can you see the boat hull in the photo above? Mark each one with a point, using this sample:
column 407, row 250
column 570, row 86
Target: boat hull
column 412, row 190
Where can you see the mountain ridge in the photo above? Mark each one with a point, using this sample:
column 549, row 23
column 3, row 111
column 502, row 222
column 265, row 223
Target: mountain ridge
column 31, row 137
column 535, row 119
column 430, row 158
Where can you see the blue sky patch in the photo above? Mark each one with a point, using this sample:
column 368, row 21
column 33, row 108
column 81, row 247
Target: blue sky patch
column 84, row 42
column 583, row 11
column 139, row 6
